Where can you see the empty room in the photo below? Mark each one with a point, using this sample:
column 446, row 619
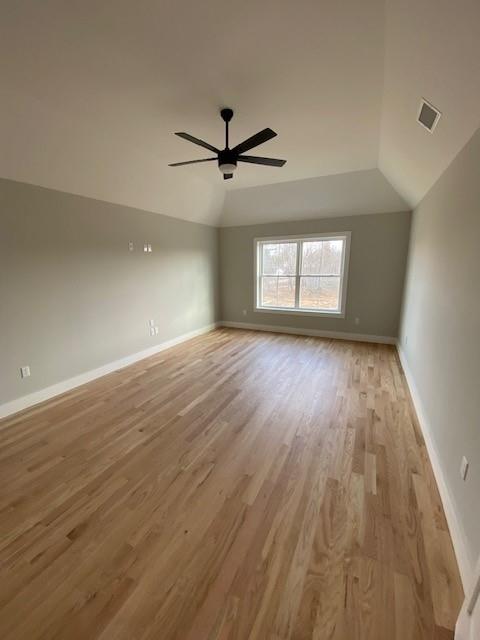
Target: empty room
column 239, row 320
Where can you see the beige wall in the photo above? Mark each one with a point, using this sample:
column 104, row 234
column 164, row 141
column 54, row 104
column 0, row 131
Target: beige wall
column 378, row 255
column 440, row 332
column 72, row 296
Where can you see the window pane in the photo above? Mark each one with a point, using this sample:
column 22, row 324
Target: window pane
column 279, row 259
column 322, row 257
column 320, row 293
column 278, row 292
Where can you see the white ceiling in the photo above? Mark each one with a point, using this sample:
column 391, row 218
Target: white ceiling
column 432, row 50
column 91, row 93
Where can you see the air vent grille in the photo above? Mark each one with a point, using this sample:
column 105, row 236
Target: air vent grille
column 428, row 116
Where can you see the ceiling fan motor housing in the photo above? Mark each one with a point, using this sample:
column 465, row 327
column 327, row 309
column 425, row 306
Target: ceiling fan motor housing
column 227, row 156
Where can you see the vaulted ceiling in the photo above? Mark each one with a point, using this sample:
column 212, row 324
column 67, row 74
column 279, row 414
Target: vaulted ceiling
column 91, row 93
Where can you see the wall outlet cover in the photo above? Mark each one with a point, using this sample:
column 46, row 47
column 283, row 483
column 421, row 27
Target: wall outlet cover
column 25, row 372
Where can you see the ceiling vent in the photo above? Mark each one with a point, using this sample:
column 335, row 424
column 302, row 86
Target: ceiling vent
column 428, row 116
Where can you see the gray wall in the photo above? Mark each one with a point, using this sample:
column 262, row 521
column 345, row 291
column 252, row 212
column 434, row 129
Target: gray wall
column 375, row 282
column 440, row 331
column 72, row 296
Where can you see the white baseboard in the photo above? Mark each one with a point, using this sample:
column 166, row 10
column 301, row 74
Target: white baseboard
column 41, row 395
column 316, row 333
column 468, row 623
column 454, row 522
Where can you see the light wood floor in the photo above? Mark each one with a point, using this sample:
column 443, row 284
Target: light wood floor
column 240, row 486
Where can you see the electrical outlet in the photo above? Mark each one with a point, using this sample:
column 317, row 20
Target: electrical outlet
column 145, row 248
column 149, row 248
column 151, row 323
column 25, row 371
column 152, row 331
column 244, row 312
column 464, row 468
column 156, row 331
column 130, row 246
column 357, row 321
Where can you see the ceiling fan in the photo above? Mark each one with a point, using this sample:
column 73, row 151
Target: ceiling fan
column 227, row 158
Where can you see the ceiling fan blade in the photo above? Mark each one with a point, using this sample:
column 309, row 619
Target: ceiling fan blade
column 179, row 164
column 227, row 176
column 254, row 141
column 201, row 143
column 271, row 162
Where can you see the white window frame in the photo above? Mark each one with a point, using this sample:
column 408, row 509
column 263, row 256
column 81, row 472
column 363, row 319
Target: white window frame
column 257, row 246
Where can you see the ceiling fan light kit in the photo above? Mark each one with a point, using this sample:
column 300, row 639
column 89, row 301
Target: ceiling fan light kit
column 226, row 167
column 228, row 158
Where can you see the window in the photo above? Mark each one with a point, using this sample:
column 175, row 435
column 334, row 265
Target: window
column 302, row 275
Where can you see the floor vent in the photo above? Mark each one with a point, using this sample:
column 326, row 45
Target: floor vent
column 428, row 116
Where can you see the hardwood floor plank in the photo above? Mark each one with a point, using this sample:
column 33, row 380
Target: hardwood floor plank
column 240, row 486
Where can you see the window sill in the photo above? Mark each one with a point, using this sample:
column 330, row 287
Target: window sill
column 300, row 312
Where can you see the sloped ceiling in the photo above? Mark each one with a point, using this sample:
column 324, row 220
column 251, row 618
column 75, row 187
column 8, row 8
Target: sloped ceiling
column 91, row 93
column 355, row 193
column 432, row 50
